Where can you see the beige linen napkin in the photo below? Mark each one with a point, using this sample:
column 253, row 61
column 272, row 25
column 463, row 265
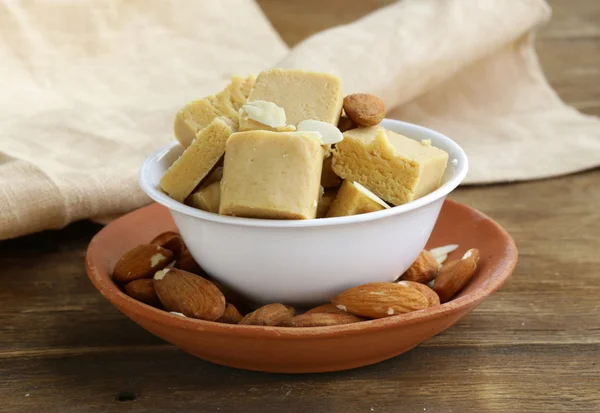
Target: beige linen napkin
column 88, row 89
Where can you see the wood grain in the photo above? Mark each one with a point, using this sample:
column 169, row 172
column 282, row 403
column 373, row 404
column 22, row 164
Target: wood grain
column 532, row 346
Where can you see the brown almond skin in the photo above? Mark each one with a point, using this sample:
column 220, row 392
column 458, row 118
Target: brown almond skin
column 269, row 315
column 189, row 294
column 170, row 240
column 143, row 290
column 423, row 270
column 325, row 309
column 431, row 295
column 187, row 263
column 345, row 124
column 321, row 320
column 364, row 109
column 137, row 263
column 231, row 315
column 380, row 299
column 455, row 275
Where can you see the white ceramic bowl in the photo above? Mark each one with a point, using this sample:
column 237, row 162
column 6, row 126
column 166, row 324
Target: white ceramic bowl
column 308, row 261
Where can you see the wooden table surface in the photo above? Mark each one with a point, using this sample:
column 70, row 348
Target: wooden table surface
column 533, row 346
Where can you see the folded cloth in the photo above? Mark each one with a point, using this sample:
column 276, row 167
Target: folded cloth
column 89, row 89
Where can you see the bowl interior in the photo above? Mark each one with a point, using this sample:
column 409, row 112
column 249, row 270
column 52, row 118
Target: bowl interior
column 155, row 166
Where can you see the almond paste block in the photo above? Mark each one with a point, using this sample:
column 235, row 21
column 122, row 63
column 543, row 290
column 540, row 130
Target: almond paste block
column 394, row 167
column 272, row 175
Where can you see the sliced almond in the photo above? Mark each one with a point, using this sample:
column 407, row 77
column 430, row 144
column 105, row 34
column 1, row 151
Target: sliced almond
column 269, row 315
column 455, row 275
column 141, row 262
column 371, row 195
column 330, row 134
column 267, row 113
column 380, row 299
column 423, row 270
column 321, row 320
column 190, row 294
column 443, row 250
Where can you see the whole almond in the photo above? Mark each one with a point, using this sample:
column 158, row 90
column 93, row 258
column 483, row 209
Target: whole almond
column 269, row 315
column 326, row 309
column 380, row 299
column 345, row 124
column 431, row 295
column 321, row 320
column 364, row 109
column 170, row 240
column 231, row 315
column 143, row 290
column 141, row 262
column 423, row 270
column 187, row 263
column 455, row 275
column 190, row 294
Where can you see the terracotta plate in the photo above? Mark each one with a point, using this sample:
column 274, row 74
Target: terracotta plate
column 314, row 349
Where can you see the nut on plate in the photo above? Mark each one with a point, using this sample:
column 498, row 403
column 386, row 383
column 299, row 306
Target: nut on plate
column 190, row 294
column 455, row 275
column 326, row 309
column 321, row 320
column 364, row 109
column 423, row 270
column 231, row 315
column 141, row 262
column 187, row 263
column 143, row 290
column 380, row 299
column 269, row 315
column 431, row 295
column 170, row 240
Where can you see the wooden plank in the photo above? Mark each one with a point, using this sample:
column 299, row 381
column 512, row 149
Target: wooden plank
column 498, row 379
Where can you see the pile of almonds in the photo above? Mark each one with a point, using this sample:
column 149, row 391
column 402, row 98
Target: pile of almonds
column 163, row 274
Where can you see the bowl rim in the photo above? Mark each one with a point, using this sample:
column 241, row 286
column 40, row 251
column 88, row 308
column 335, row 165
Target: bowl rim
column 119, row 299
column 462, row 165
